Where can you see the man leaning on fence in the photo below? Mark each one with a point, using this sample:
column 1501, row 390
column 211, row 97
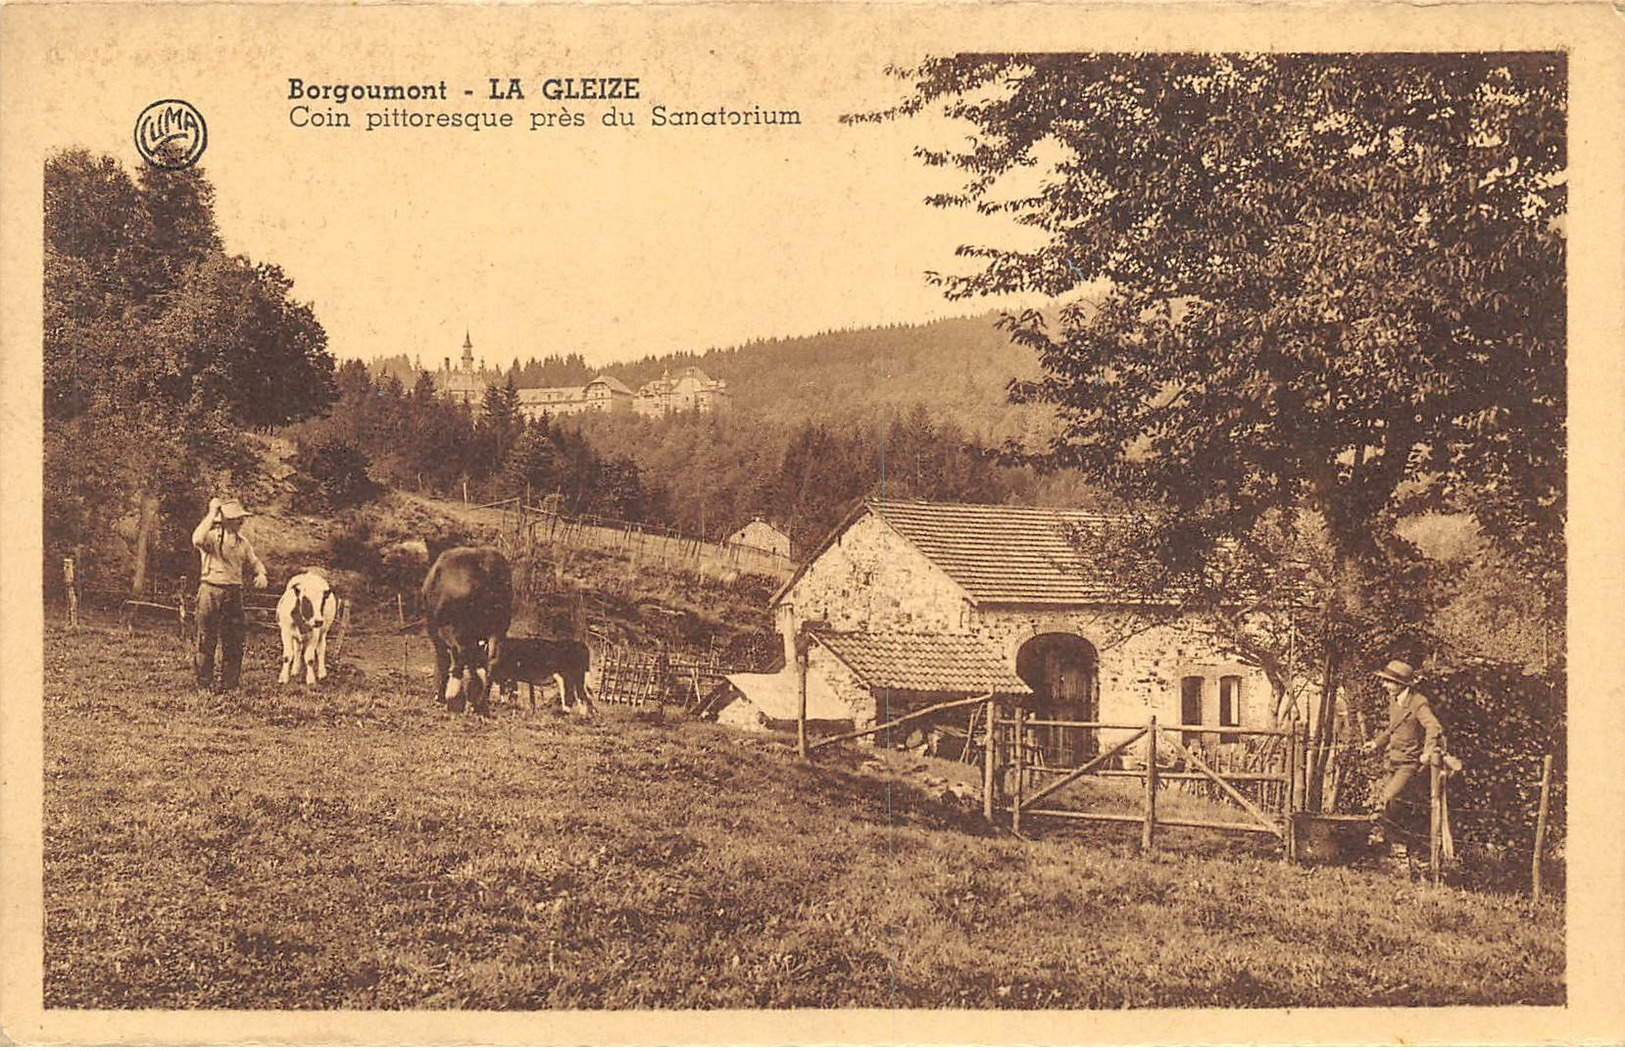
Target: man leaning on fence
column 1414, row 740
column 227, row 554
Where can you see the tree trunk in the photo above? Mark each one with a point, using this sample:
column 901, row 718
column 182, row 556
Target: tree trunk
column 146, row 528
column 1321, row 738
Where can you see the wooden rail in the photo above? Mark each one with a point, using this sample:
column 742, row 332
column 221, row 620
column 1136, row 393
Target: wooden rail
column 883, row 727
column 1086, row 769
column 1167, row 775
column 1228, row 731
column 1007, row 736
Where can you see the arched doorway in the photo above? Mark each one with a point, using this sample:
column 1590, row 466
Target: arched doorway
column 1063, row 671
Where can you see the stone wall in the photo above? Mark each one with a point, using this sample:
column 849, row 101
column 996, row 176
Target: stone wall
column 871, row 579
column 1140, row 663
column 844, row 684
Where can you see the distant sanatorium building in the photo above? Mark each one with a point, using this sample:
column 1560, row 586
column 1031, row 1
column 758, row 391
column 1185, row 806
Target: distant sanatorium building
column 689, row 390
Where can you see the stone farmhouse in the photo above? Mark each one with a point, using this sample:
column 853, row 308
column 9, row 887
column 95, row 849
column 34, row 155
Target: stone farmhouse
column 912, row 603
column 762, row 536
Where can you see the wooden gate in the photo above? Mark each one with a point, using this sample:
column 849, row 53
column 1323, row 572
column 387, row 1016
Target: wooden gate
column 1020, row 781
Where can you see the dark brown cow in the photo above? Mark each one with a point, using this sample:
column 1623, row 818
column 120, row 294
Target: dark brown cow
column 530, row 661
column 467, row 606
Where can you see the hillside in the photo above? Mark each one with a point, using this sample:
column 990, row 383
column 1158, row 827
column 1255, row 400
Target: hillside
column 377, row 554
column 958, row 368
column 811, row 424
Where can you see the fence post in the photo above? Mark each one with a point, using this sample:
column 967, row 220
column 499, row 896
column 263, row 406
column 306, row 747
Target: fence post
column 1434, row 831
column 1300, row 799
column 70, row 580
column 1540, row 824
column 987, row 763
column 344, row 628
column 1020, row 746
column 802, row 646
column 1289, row 802
column 1148, row 834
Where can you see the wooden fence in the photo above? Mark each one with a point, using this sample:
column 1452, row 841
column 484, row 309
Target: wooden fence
column 1014, row 771
column 641, row 678
column 180, row 609
column 525, row 528
column 1155, row 756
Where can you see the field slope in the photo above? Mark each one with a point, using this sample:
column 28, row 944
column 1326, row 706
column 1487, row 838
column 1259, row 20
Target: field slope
column 354, row 846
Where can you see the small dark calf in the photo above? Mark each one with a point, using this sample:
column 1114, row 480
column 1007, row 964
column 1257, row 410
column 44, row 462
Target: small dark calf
column 532, row 661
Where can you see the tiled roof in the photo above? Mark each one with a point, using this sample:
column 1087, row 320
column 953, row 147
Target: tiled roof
column 1003, row 554
column 939, row 663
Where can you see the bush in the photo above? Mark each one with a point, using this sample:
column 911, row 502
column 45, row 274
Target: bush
column 352, row 548
column 1500, row 722
column 334, row 472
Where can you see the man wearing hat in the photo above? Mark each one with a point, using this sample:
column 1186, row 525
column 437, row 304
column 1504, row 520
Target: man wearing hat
column 227, row 554
column 1414, row 737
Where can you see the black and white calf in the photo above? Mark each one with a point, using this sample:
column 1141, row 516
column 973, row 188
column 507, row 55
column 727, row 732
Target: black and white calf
column 304, row 613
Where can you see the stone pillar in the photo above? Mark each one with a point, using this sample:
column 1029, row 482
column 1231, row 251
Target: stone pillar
column 784, row 617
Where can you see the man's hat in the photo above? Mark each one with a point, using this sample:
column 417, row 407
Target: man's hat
column 234, row 509
column 1398, row 672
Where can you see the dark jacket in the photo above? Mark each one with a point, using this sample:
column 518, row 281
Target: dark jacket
column 1413, row 730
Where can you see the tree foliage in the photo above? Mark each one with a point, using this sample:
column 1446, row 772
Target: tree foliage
column 1328, row 281
column 334, row 473
column 159, row 347
column 1329, row 285
column 956, row 367
column 420, row 440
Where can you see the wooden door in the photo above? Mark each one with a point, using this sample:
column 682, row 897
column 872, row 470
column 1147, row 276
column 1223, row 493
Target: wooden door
column 1061, row 670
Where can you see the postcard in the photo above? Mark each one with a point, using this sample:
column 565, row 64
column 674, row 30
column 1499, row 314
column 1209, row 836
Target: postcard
column 808, row 523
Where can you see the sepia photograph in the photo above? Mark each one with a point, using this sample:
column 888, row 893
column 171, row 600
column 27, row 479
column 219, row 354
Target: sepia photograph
column 612, row 523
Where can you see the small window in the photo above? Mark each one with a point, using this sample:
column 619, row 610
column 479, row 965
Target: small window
column 1229, row 706
column 1190, row 706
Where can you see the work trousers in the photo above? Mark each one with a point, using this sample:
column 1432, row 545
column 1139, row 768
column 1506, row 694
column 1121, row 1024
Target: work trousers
column 219, row 620
column 1404, row 800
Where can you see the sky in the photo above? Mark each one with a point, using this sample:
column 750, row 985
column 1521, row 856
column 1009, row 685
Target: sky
column 612, row 243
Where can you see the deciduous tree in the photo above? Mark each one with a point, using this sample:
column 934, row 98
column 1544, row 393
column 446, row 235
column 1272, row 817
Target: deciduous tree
column 158, row 346
column 1323, row 282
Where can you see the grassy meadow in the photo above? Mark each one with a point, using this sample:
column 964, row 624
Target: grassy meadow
column 354, row 846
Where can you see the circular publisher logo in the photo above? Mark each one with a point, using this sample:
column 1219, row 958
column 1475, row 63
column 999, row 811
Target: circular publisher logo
column 170, row 133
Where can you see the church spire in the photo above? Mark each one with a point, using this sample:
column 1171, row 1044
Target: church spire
column 468, row 352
